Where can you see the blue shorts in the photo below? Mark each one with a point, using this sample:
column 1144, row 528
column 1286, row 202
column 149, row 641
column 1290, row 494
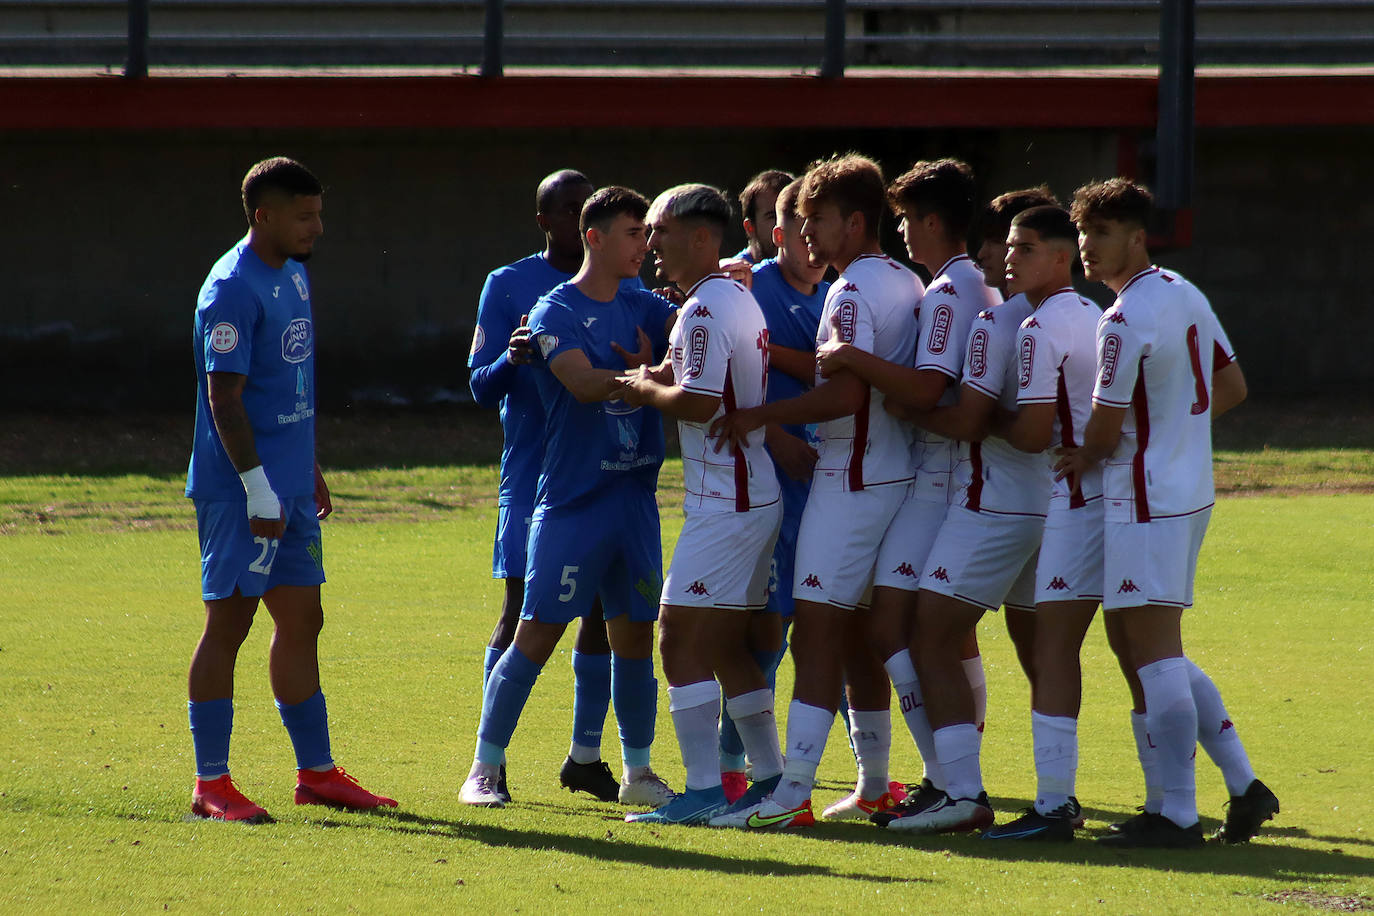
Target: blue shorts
column 608, row 547
column 785, row 555
column 512, row 531
column 230, row 557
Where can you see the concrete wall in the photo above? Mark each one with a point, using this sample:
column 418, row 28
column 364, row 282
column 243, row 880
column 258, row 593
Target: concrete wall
column 106, row 239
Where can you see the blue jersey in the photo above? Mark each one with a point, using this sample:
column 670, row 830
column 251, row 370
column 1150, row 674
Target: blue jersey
column 509, row 293
column 254, row 320
column 793, row 319
column 589, row 447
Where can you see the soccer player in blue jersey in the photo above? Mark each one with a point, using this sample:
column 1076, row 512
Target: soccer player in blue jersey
column 791, row 293
column 757, row 204
column 259, row 494
column 501, row 351
column 595, row 526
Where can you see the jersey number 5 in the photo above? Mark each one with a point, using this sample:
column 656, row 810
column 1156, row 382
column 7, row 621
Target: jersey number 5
column 568, row 581
column 1195, row 355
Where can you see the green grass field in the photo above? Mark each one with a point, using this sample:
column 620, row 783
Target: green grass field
column 99, row 610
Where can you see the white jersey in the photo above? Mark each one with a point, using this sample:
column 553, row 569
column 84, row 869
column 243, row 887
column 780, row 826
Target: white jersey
column 720, row 347
column 992, row 476
column 875, row 299
column 956, row 296
column 1157, row 347
column 1057, row 351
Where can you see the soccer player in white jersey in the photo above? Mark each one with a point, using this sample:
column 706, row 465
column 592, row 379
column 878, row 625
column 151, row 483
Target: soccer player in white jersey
column 717, row 362
column 993, row 226
column 1057, row 361
column 1165, row 368
column 863, row 467
column 935, row 202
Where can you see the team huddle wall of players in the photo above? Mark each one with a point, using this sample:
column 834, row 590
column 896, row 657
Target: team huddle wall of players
column 870, row 465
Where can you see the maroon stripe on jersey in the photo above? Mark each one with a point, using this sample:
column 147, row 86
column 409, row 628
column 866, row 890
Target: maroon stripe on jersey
column 1144, row 273
column 859, row 444
column 1219, row 358
column 1141, row 405
column 1066, row 439
column 975, row 485
column 741, row 466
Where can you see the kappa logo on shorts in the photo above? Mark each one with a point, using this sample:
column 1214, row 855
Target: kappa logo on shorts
column 1225, row 724
column 1127, row 587
column 811, row 581
column 697, row 588
column 1111, row 349
column 904, row 569
column 1057, row 584
column 940, row 575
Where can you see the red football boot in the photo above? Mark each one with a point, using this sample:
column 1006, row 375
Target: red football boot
column 336, row 789
column 221, row 800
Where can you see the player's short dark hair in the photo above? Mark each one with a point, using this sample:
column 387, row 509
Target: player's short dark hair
column 693, row 203
column 1050, row 223
column 995, row 220
column 787, row 199
column 606, row 204
column 279, row 174
column 553, row 183
column 1118, row 199
column 852, row 182
column 770, row 182
column 944, row 187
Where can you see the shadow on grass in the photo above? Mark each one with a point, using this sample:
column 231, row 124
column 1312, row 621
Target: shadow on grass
column 613, row 849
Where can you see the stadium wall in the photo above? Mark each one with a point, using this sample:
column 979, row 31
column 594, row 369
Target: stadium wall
column 108, row 235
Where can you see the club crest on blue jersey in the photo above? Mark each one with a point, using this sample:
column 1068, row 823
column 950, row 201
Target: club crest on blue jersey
column 300, row 287
column 629, row 438
column 297, row 343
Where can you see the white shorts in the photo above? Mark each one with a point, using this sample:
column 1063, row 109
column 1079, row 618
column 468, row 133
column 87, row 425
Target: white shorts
column 838, row 543
column 979, row 556
column 722, row 559
column 1152, row 562
column 1071, row 554
column 903, row 552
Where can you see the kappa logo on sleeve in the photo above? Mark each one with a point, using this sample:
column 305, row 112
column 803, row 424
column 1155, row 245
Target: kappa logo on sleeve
column 224, row 337
column 1111, row 351
column 978, row 353
column 696, row 353
column 939, row 328
column 479, row 339
column 1027, row 360
column 547, row 344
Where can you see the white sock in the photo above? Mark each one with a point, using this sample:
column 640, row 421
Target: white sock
column 978, row 683
column 1171, row 719
column 958, row 747
column 580, row 753
column 1217, row 733
column 902, row 673
column 696, row 718
column 808, row 727
column 758, row 730
column 1056, row 759
column 1149, row 763
column 871, row 733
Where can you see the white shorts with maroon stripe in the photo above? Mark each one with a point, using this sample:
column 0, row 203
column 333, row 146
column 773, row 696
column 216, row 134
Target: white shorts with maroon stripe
column 837, row 545
column 722, row 559
column 978, row 557
column 903, row 553
column 1152, row 562
column 1070, row 567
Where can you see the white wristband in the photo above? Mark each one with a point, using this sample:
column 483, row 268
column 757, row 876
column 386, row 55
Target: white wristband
column 262, row 502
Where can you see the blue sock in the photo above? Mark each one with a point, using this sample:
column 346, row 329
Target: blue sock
column 489, row 660
column 843, row 710
column 508, row 689
column 636, row 706
column 768, row 663
column 307, row 723
column 591, row 697
column 212, row 721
